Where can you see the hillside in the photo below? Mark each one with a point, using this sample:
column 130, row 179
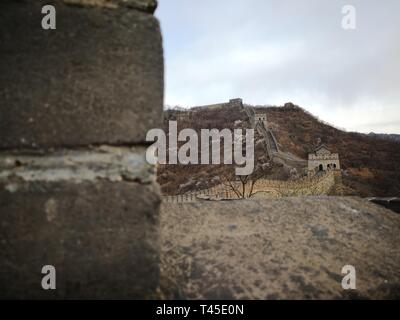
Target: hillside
column 369, row 162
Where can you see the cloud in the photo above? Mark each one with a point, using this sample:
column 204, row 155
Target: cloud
column 274, row 51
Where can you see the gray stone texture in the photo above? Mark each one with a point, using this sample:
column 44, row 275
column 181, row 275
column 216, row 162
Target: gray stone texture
column 289, row 248
column 102, row 238
column 75, row 191
column 97, row 78
column 390, row 203
column 144, row 5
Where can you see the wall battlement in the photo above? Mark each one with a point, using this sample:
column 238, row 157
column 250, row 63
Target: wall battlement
column 320, row 184
column 232, row 103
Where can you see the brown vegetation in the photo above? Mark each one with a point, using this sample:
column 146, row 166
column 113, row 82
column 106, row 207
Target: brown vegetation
column 370, row 164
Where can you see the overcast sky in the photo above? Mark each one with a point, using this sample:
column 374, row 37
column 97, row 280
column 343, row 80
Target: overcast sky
column 269, row 52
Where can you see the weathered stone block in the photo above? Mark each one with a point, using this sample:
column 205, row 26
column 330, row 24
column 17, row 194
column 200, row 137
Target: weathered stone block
column 101, row 236
column 97, row 78
column 390, row 203
column 144, row 5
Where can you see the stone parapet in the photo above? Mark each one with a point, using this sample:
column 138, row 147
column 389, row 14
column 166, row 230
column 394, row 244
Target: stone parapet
column 76, row 192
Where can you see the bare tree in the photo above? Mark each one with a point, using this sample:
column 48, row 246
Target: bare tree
column 243, row 186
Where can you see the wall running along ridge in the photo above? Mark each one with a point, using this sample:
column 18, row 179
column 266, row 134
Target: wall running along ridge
column 309, row 186
column 75, row 189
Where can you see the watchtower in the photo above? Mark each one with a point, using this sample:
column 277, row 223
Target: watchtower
column 323, row 160
column 261, row 117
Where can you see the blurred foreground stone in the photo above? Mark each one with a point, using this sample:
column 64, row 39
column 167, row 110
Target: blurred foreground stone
column 75, row 190
column 289, row 248
column 96, row 79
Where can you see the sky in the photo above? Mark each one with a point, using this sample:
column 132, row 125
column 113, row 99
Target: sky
column 269, row 52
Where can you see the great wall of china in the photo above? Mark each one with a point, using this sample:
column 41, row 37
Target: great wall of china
column 320, row 184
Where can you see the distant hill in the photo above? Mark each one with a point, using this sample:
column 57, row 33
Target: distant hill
column 370, row 162
column 385, row 136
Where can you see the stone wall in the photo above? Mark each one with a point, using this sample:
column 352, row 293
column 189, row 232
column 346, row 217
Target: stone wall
column 232, row 103
column 75, row 189
column 271, row 144
column 390, row 203
column 308, row 186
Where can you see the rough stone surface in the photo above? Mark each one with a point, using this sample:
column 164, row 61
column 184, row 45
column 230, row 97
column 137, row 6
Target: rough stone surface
column 390, row 203
column 86, row 164
column 291, row 248
column 101, row 237
column 144, row 5
column 97, row 78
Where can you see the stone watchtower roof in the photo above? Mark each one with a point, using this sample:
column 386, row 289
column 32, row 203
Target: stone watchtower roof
column 320, row 147
column 322, row 152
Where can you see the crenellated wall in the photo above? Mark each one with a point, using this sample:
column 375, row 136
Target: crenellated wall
column 321, row 184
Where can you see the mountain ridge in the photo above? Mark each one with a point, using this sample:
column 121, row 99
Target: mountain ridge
column 369, row 162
